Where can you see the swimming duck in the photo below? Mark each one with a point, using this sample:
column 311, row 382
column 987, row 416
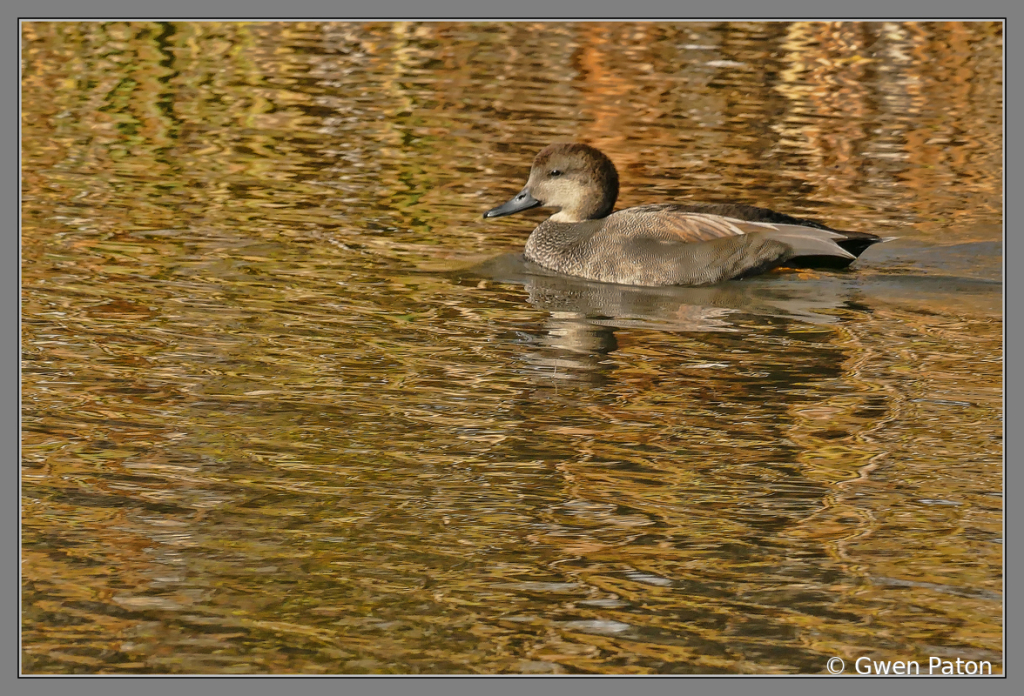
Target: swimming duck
column 661, row 244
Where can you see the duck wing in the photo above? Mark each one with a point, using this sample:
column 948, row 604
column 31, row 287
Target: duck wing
column 853, row 242
column 810, row 245
column 669, row 223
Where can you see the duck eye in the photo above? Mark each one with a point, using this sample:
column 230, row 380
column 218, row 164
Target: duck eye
column 555, row 172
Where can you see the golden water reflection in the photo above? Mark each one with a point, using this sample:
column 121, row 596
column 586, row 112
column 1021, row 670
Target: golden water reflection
column 278, row 419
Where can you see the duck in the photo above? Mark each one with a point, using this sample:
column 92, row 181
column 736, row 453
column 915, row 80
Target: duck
column 688, row 244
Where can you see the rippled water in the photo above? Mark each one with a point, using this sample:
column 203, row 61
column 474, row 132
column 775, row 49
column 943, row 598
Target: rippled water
column 291, row 406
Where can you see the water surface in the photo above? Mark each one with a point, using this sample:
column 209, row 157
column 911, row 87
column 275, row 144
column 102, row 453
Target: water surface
column 290, row 406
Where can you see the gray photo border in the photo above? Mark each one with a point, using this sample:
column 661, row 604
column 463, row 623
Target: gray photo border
column 10, row 680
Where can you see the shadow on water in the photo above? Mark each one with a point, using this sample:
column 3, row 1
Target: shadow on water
column 584, row 315
column 668, row 308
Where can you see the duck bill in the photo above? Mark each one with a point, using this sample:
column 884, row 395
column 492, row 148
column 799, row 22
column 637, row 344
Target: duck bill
column 522, row 201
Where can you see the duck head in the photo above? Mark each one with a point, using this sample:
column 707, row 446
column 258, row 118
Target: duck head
column 577, row 179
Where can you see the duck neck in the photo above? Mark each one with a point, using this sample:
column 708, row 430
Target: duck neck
column 587, row 208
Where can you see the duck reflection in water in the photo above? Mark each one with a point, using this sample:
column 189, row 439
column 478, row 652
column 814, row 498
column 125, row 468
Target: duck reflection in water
column 584, row 316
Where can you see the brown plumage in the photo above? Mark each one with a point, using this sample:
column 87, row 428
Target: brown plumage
column 666, row 244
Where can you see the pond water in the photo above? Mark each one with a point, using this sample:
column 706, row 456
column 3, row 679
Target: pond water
column 289, row 405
